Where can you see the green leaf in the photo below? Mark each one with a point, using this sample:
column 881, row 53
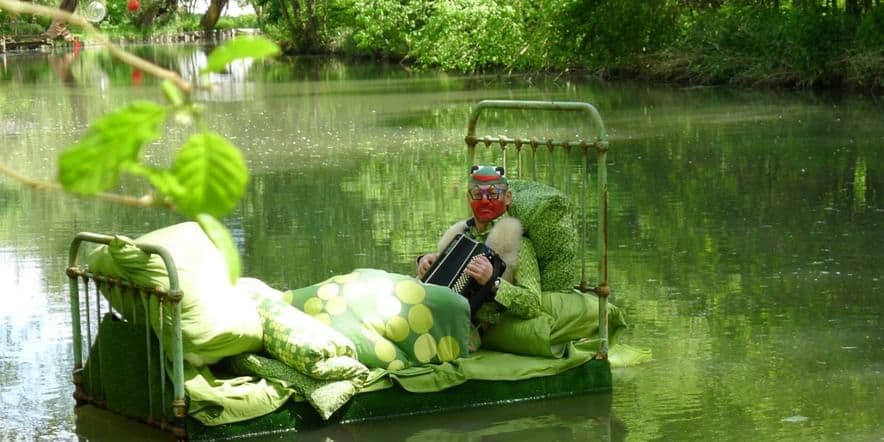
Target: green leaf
column 255, row 47
column 212, row 173
column 93, row 164
column 223, row 240
column 162, row 180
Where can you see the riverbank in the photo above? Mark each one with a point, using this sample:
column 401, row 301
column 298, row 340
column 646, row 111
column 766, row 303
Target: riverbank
column 857, row 72
column 23, row 43
column 40, row 42
column 768, row 45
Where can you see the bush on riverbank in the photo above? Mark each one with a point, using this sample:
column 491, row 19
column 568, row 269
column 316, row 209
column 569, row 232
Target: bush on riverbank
column 777, row 43
column 119, row 23
column 790, row 47
column 21, row 25
column 126, row 27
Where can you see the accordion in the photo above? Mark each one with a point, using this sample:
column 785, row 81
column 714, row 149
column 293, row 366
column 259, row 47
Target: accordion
column 450, row 269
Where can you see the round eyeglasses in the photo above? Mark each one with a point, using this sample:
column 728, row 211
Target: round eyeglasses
column 490, row 193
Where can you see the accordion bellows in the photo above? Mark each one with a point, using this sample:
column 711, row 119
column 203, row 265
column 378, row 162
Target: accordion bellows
column 449, row 269
column 547, row 216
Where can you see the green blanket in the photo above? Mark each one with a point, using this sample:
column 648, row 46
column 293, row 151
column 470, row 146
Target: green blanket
column 395, row 321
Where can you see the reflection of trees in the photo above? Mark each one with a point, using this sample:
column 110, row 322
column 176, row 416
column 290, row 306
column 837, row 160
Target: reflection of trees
column 739, row 198
column 749, row 245
column 742, row 224
column 300, row 227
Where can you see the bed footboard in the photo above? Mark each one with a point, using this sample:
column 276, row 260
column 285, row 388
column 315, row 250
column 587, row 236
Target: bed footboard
column 111, row 370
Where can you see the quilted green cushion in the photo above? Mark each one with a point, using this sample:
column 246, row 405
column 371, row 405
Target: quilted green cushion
column 548, row 218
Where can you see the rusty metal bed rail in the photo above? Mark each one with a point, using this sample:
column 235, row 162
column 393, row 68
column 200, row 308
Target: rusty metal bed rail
column 597, row 144
column 170, row 298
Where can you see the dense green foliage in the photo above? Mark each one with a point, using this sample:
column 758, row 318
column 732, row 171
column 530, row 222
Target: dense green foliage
column 14, row 25
column 793, row 43
column 801, row 43
column 811, row 46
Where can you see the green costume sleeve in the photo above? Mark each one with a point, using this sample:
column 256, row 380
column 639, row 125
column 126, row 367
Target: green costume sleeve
column 522, row 297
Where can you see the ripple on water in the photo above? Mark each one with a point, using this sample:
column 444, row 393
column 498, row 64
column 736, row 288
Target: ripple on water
column 35, row 359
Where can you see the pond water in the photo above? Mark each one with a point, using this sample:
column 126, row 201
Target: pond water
column 746, row 235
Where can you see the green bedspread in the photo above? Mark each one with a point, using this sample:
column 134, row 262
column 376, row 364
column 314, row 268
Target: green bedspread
column 361, row 331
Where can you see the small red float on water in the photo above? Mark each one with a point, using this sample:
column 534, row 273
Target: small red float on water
column 133, row 5
column 137, row 77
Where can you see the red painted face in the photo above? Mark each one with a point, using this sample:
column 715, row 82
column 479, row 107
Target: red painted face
column 484, row 209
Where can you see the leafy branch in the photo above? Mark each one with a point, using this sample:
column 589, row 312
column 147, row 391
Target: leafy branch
column 208, row 175
column 18, row 7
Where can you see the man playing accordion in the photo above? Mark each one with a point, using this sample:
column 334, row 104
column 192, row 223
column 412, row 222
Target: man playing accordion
column 513, row 286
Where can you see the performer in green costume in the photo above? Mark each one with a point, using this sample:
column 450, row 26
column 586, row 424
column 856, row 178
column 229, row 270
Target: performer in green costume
column 518, row 289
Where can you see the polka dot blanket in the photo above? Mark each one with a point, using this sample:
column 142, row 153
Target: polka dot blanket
column 394, row 320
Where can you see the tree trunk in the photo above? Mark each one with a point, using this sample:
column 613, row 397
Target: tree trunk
column 312, row 30
column 210, row 19
column 146, row 18
column 308, row 41
column 156, row 10
column 852, row 7
column 293, row 28
column 58, row 29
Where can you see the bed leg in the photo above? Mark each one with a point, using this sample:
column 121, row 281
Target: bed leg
column 178, row 427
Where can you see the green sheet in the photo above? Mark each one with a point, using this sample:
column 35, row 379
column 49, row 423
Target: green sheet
column 326, row 396
column 498, row 366
column 216, row 401
column 565, row 316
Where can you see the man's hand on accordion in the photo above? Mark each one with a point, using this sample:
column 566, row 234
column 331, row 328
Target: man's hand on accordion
column 424, row 264
column 480, row 269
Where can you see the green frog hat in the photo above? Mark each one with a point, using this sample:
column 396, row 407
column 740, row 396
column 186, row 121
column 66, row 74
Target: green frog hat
column 487, row 175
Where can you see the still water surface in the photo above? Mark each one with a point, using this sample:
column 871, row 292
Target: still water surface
column 746, row 236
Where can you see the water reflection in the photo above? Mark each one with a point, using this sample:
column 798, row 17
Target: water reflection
column 745, row 232
column 570, row 419
column 34, row 349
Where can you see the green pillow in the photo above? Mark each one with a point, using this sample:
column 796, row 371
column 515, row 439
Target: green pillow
column 547, row 217
column 216, row 320
column 121, row 299
column 565, row 316
column 394, row 320
column 299, row 340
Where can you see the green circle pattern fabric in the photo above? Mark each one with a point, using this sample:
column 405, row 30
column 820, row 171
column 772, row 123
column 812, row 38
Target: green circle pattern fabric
column 306, row 345
column 394, row 320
